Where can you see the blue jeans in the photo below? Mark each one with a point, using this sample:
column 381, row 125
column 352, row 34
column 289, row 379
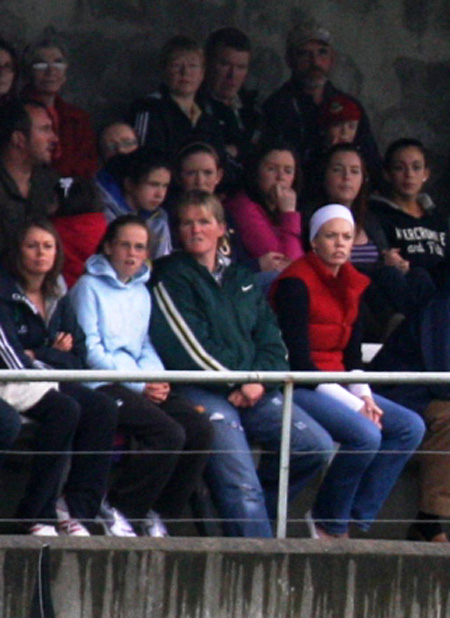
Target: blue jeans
column 245, row 499
column 368, row 462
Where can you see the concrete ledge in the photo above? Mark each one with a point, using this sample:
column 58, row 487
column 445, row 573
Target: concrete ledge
column 229, row 578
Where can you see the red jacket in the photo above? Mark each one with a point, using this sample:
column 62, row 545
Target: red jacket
column 333, row 307
column 80, row 236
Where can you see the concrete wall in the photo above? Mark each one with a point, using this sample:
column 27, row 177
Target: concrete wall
column 219, row 578
column 394, row 54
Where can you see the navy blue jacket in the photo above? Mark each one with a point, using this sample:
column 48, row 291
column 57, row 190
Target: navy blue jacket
column 25, row 326
column 420, row 343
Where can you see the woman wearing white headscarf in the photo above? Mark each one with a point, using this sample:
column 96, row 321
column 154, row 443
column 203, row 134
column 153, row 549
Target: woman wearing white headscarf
column 317, row 300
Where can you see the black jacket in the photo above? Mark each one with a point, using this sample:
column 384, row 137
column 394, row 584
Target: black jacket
column 161, row 124
column 25, row 325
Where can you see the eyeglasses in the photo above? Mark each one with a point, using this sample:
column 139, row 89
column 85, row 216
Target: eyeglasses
column 45, row 66
column 122, row 144
column 7, row 68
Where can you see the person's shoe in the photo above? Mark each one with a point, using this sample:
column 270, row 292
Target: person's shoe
column 414, row 534
column 317, row 532
column 311, row 524
column 67, row 524
column 43, row 530
column 154, row 526
column 113, row 522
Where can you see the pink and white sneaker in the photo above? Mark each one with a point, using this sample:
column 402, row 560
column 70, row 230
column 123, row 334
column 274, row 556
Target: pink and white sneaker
column 42, row 530
column 67, row 524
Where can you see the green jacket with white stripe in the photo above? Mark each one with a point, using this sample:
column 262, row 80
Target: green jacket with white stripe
column 199, row 324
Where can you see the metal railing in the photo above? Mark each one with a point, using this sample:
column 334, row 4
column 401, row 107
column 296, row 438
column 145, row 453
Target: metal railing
column 287, row 379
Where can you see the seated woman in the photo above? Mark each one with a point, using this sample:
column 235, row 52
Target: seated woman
column 171, row 117
column 416, row 229
column 421, row 343
column 210, row 315
column 344, row 181
column 113, row 307
column 266, row 214
column 33, row 301
column 317, row 299
column 45, row 63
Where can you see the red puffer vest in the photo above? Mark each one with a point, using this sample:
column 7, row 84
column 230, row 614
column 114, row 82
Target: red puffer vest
column 333, row 307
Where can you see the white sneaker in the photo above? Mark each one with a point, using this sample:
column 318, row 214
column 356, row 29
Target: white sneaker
column 43, row 530
column 154, row 526
column 67, row 524
column 311, row 524
column 113, row 522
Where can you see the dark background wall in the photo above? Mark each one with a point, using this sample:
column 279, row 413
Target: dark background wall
column 393, row 54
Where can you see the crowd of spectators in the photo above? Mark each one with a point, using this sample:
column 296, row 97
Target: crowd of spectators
column 209, row 230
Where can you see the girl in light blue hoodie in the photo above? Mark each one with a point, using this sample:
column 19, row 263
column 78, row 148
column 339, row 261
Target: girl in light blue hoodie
column 113, row 308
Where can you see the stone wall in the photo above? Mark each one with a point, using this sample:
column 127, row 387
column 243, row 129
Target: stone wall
column 228, row 578
column 393, row 54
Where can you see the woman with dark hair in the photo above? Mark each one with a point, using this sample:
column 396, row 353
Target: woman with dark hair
column 113, row 307
column 266, row 215
column 317, row 302
column 45, row 64
column 417, row 230
column 9, row 71
column 33, row 298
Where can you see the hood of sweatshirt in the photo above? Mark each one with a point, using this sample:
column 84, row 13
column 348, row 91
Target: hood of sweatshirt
column 98, row 265
column 424, row 200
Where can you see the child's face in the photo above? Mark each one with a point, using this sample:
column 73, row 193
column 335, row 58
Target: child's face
column 150, row 191
column 342, row 132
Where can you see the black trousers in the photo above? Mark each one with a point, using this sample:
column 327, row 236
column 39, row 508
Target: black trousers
column 173, row 438
column 79, row 419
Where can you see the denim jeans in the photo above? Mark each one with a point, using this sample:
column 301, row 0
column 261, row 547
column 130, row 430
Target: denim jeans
column 245, row 499
column 368, row 461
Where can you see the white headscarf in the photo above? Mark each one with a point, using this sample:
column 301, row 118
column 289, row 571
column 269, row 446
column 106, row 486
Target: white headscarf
column 326, row 213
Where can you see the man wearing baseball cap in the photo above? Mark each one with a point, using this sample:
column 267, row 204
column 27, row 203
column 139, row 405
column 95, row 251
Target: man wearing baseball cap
column 292, row 112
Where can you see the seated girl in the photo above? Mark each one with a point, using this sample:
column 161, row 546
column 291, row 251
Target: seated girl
column 113, row 307
column 145, row 178
column 44, row 326
column 417, row 230
column 317, row 301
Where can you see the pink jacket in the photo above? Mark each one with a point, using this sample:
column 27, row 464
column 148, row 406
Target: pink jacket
column 259, row 234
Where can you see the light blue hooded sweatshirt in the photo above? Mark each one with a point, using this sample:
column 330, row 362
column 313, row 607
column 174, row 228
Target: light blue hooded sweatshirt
column 115, row 318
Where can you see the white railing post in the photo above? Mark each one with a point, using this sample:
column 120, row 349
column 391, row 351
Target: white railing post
column 285, row 452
